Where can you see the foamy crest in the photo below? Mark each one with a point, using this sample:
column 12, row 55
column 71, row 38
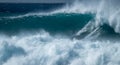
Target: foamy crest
column 107, row 12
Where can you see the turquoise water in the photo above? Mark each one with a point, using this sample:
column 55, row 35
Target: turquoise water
column 52, row 23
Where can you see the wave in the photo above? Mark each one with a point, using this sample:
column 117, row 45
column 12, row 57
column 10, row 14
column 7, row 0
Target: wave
column 78, row 14
column 75, row 24
column 60, row 22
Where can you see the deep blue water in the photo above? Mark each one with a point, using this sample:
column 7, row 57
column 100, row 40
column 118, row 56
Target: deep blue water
column 29, row 7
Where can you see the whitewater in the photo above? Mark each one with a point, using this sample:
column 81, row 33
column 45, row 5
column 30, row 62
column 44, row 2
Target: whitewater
column 87, row 32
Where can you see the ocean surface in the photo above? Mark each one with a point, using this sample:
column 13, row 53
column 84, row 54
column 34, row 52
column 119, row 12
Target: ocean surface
column 83, row 33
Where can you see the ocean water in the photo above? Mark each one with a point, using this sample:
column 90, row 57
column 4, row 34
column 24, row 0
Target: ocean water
column 83, row 33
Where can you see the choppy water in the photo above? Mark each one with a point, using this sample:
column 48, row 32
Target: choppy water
column 83, row 33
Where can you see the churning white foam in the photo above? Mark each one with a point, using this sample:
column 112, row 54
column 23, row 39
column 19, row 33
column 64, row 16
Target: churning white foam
column 43, row 49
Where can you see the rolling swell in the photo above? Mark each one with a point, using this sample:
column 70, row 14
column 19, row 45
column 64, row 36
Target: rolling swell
column 58, row 23
column 52, row 23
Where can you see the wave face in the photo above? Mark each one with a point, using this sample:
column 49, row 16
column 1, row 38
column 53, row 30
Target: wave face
column 81, row 33
column 52, row 23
